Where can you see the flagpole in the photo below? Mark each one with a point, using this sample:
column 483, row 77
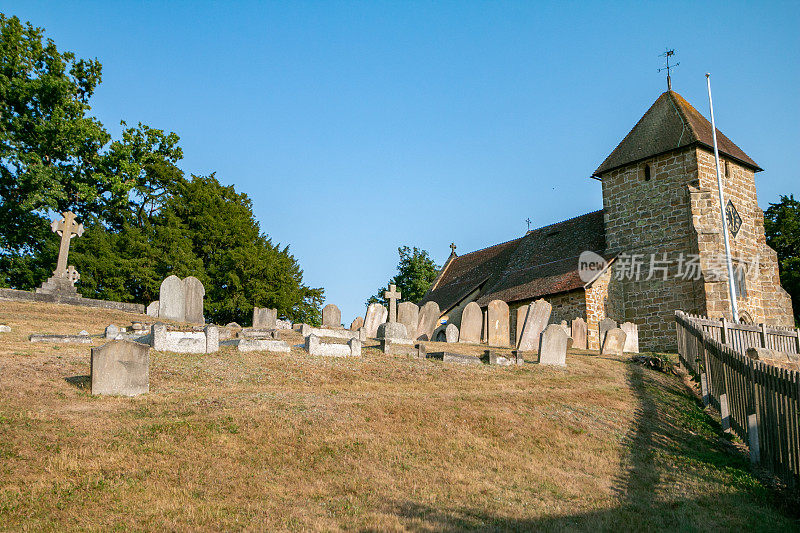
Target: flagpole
column 729, row 263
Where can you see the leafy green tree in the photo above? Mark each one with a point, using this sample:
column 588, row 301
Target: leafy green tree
column 782, row 227
column 415, row 274
column 241, row 266
column 50, row 149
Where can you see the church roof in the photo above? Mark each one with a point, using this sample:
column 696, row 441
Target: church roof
column 543, row 262
column 669, row 124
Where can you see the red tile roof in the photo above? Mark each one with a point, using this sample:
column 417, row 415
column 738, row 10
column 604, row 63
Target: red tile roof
column 543, row 262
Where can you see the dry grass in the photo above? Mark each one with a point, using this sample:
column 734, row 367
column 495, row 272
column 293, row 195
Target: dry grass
column 235, row 441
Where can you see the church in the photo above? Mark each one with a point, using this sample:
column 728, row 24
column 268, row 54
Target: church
column 657, row 241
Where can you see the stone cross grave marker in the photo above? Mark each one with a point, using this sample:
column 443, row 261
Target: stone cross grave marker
column 392, row 295
column 67, row 229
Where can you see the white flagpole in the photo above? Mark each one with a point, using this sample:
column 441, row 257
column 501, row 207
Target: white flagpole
column 731, row 289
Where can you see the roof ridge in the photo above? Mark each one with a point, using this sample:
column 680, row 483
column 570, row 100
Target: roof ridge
column 564, row 221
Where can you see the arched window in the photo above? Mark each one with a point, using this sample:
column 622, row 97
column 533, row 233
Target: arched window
column 647, row 173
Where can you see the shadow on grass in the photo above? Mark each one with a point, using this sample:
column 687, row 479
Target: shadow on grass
column 81, row 382
column 671, row 443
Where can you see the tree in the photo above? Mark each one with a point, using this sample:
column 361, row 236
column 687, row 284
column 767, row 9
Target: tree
column 50, row 149
column 415, row 274
column 782, row 227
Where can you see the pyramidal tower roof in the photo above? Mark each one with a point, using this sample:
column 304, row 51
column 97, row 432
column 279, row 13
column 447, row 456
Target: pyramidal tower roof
column 669, row 124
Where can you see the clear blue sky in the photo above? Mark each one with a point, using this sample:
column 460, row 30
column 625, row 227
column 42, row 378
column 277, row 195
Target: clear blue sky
column 357, row 127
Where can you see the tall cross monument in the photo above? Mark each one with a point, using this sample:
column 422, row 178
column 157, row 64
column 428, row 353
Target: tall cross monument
column 392, row 295
column 64, row 277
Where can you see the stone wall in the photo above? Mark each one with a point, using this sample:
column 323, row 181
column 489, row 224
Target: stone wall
column 676, row 212
column 766, row 301
column 646, row 219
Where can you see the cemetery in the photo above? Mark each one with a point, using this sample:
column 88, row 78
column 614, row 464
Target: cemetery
column 167, row 363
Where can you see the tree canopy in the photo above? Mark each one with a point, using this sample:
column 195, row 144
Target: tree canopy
column 415, row 274
column 782, row 227
column 144, row 220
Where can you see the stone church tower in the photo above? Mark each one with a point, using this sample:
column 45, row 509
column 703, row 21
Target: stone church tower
column 661, row 212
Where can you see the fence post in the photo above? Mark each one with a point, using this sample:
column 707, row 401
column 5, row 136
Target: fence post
column 763, row 335
column 704, row 376
column 752, row 433
column 724, row 333
column 797, row 339
column 752, row 418
column 724, row 411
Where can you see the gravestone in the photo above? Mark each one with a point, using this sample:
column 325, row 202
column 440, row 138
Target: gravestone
column 193, row 292
column 314, row 346
column 498, row 323
column 374, row 319
column 392, row 295
column 579, row 334
column 535, row 324
column 631, row 337
column 262, row 345
column 614, row 342
column 451, row 333
column 120, row 367
column 62, row 282
column 152, row 309
column 471, row 323
column 172, row 299
column 428, row 321
column 112, row 331
column 408, row 315
column 392, row 330
column 522, row 313
column 357, row 323
column 331, row 317
column 4, row 328
column 264, row 317
column 553, row 346
column 602, row 327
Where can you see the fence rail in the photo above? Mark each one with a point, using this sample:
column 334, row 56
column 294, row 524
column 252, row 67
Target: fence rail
column 760, row 403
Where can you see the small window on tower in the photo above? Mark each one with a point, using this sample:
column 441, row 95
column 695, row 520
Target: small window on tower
column 727, row 170
column 647, row 173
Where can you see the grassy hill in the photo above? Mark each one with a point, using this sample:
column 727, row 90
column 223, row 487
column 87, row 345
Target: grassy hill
column 233, row 441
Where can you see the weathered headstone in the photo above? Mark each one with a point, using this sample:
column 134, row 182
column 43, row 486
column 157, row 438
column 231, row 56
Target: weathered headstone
column 492, row 357
column 471, row 323
column 392, row 330
column 451, row 333
column 498, row 323
column 172, row 299
column 535, row 323
column 111, row 332
column 553, row 345
column 392, row 295
column 373, row 319
column 357, row 323
column 331, row 317
column 603, row 326
column 64, row 277
column 264, row 317
column 522, row 313
column 614, row 342
column 5, row 328
column 193, row 292
column 212, row 338
column 152, row 309
column 314, row 346
column 428, row 321
column 631, row 337
column 262, row 345
column 120, row 367
column 408, row 315
column 579, row 334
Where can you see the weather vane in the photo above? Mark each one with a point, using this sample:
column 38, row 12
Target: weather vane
column 667, row 54
column 528, row 221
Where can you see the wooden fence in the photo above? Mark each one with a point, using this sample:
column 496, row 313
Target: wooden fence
column 760, row 403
